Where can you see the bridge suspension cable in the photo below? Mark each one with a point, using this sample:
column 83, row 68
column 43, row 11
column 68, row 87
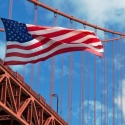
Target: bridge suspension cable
column 73, row 18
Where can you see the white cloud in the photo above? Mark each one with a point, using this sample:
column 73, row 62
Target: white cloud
column 118, row 98
column 99, row 107
column 117, row 63
column 102, row 11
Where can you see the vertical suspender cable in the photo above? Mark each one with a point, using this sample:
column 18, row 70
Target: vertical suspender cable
column 35, row 22
column 32, row 65
column 24, row 71
column 80, row 98
column 10, row 9
column 95, row 86
column 52, row 70
column 121, row 98
column 81, row 112
column 38, row 76
column 69, row 91
column 117, row 83
column 113, row 81
column 82, row 86
column 94, row 90
column 102, row 89
column 52, row 80
column 101, row 102
column 35, row 14
column 31, row 77
column 106, row 86
column 10, row 14
column 70, row 87
column 83, row 83
column 38, row 79
column 103, row 92
column 88, row 88
column 107, row 83
column 62, row 85
column 104, row 79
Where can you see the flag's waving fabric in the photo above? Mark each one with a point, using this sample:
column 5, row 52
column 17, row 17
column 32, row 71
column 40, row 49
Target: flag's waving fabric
column 31, row 44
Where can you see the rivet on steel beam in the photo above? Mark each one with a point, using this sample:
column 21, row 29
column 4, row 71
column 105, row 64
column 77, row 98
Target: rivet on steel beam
column 96, row 29
column 105, row 36
column 56, row 11
column 71, row 20
column 84, row 25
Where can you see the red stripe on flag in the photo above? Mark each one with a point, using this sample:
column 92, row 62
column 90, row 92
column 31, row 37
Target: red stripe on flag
column 29, row 47
column 44, row 51
column 35, row 28
column 53, row 54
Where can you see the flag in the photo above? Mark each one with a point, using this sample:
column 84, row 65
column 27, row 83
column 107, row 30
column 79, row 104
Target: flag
column 31, row 43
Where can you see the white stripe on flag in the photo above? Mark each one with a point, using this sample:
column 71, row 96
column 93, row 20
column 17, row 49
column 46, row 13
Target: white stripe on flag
column 49, row 52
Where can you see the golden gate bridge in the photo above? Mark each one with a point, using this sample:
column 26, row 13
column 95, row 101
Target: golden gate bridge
column 21, row 105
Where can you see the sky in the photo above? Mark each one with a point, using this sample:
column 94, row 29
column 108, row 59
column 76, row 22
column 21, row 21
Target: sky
column 104, row 13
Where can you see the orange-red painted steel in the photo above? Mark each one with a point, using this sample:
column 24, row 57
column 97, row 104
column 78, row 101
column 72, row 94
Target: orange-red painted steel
column 1, row 29
column 20, row 105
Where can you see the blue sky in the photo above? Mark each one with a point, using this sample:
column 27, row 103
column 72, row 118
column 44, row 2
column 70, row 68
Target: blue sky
column 104, row 13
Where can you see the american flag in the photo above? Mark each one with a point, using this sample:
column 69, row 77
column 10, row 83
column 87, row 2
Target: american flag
column 31, row 43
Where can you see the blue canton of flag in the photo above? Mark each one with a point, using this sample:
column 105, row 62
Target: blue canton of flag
column 16, row 31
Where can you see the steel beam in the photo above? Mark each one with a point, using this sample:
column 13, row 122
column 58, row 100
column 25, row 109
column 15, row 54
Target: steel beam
column 24, row 105
column 35, row 114
column 11, row 96
column 48, row 121
column 13, row 114
column 5, row 117
column 21, row 103
column 2, row 77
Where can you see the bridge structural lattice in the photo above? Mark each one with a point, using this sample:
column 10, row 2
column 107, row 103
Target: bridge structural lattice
column 20, row 105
